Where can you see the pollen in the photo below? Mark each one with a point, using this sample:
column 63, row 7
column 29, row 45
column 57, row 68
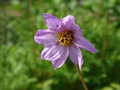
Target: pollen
column 65, row 38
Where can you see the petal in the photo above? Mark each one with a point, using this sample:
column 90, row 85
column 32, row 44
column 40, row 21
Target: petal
column 52, row 22
column 85, row 44
column 65, row 19
column 68, row 21
column 60, row 61
column 75, row 55
column 68, row 24
column 52, row 52
column 45, row 37
column 77, row 31
column 61, row 28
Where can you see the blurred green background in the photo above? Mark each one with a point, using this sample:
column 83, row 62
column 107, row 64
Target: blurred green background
column 21, row 67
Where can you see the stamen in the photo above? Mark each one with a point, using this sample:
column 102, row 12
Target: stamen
column 65, row 38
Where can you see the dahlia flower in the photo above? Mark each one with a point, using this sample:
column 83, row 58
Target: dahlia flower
column 62, row 39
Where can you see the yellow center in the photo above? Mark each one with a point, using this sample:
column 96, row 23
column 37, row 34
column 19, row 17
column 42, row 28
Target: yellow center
column 65, row 38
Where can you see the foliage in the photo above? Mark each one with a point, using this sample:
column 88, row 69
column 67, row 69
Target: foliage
column 21, row 67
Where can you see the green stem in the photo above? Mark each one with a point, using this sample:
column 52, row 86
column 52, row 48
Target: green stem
column 81, row 77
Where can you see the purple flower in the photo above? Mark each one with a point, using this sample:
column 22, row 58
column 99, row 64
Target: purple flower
column 62, row 39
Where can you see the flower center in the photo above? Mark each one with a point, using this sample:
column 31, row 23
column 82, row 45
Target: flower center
column 65, row 38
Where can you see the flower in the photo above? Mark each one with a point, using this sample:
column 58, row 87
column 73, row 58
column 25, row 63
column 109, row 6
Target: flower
column 62, row 39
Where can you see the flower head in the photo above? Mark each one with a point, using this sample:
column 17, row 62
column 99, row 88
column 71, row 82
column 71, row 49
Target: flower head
column 62, row 39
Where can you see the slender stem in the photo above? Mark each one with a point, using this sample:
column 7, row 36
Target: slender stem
column 81, row 77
